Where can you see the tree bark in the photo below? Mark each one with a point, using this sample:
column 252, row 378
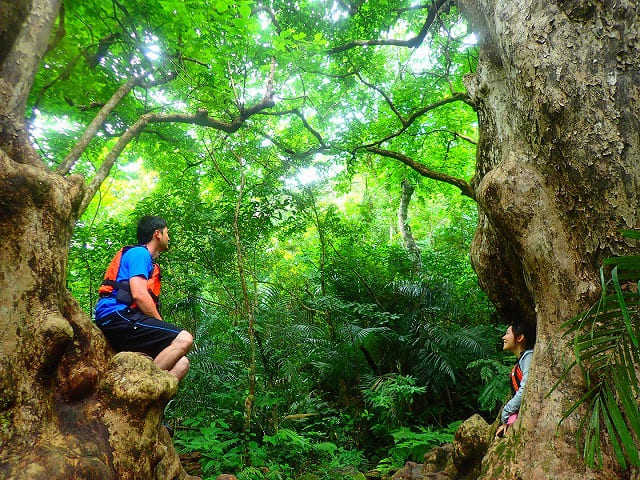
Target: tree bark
column 557, row 91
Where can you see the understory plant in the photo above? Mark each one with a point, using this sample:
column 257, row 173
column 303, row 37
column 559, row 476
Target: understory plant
column 493, row 373
column 606, row 345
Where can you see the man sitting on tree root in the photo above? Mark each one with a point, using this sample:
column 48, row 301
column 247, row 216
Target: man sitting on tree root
column 128, row 309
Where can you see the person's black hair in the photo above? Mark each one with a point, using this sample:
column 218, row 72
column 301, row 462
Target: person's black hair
column 526, row 329
column 147, row 225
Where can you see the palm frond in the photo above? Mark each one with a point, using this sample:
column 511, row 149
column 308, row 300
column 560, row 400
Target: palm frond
column 606, row 341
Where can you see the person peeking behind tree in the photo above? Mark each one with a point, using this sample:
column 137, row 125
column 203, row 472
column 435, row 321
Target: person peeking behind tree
column 519, row 339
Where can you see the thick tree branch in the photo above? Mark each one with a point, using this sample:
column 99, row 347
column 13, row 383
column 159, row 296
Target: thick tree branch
column 73, row 156
column 410, row 43
column 465, row 188
column 19, row 67
column 17, row 72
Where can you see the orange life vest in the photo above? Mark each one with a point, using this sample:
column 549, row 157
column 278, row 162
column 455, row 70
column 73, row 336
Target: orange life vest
column 516, row 377
column 123, row 294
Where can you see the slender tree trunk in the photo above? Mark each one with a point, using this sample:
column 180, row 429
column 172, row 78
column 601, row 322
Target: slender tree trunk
column 405, row 229
column 323, row 258
column 557, row 91
column 249, row 310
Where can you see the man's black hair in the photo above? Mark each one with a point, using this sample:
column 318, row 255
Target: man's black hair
column 147, row 225
column 526, row 329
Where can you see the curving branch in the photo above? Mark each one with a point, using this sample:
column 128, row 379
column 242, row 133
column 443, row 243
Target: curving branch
column 83, row 107
column 350, row 9
column 322, row 146
column 72, row 157
column 103, row 47
column 385, row 96
column 465, row 187
column 406, row 123
column 454, row 133
column 272, row 15
column 289, row 150
column 410, row 43
column 79, row 148
column 311, row 130
column 201, row 118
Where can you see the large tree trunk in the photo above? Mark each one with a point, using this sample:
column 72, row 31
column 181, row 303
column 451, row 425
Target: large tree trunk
column 68, row 407
column 558, row 95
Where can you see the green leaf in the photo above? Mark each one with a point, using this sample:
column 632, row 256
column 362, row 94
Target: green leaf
column 613, row 438
column 623, row 307
column 592, row 395
column 245, row 10
column 605, row 346
column 221, row 6
column 627, row 261
column 621, row 429
column 592, row 450
column 631, row 234
column 628, row 400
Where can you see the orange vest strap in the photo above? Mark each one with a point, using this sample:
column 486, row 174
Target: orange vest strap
column 516, row 378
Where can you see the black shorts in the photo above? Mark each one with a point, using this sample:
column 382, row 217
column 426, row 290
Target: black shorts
column 133, row 331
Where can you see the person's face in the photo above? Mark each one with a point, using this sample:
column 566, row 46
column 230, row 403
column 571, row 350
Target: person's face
column 163, row 239
column 509, row 342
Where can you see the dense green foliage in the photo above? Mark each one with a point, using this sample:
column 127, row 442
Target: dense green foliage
column 359, row 363
column 273, row 169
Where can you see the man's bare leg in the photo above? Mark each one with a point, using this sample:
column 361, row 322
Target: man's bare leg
column 173, row 357
column 181, row 368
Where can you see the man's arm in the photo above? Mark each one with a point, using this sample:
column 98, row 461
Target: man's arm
column 140, row 294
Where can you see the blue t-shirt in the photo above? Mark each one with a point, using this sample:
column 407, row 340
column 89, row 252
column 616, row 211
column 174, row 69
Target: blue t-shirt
column 135, row 262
